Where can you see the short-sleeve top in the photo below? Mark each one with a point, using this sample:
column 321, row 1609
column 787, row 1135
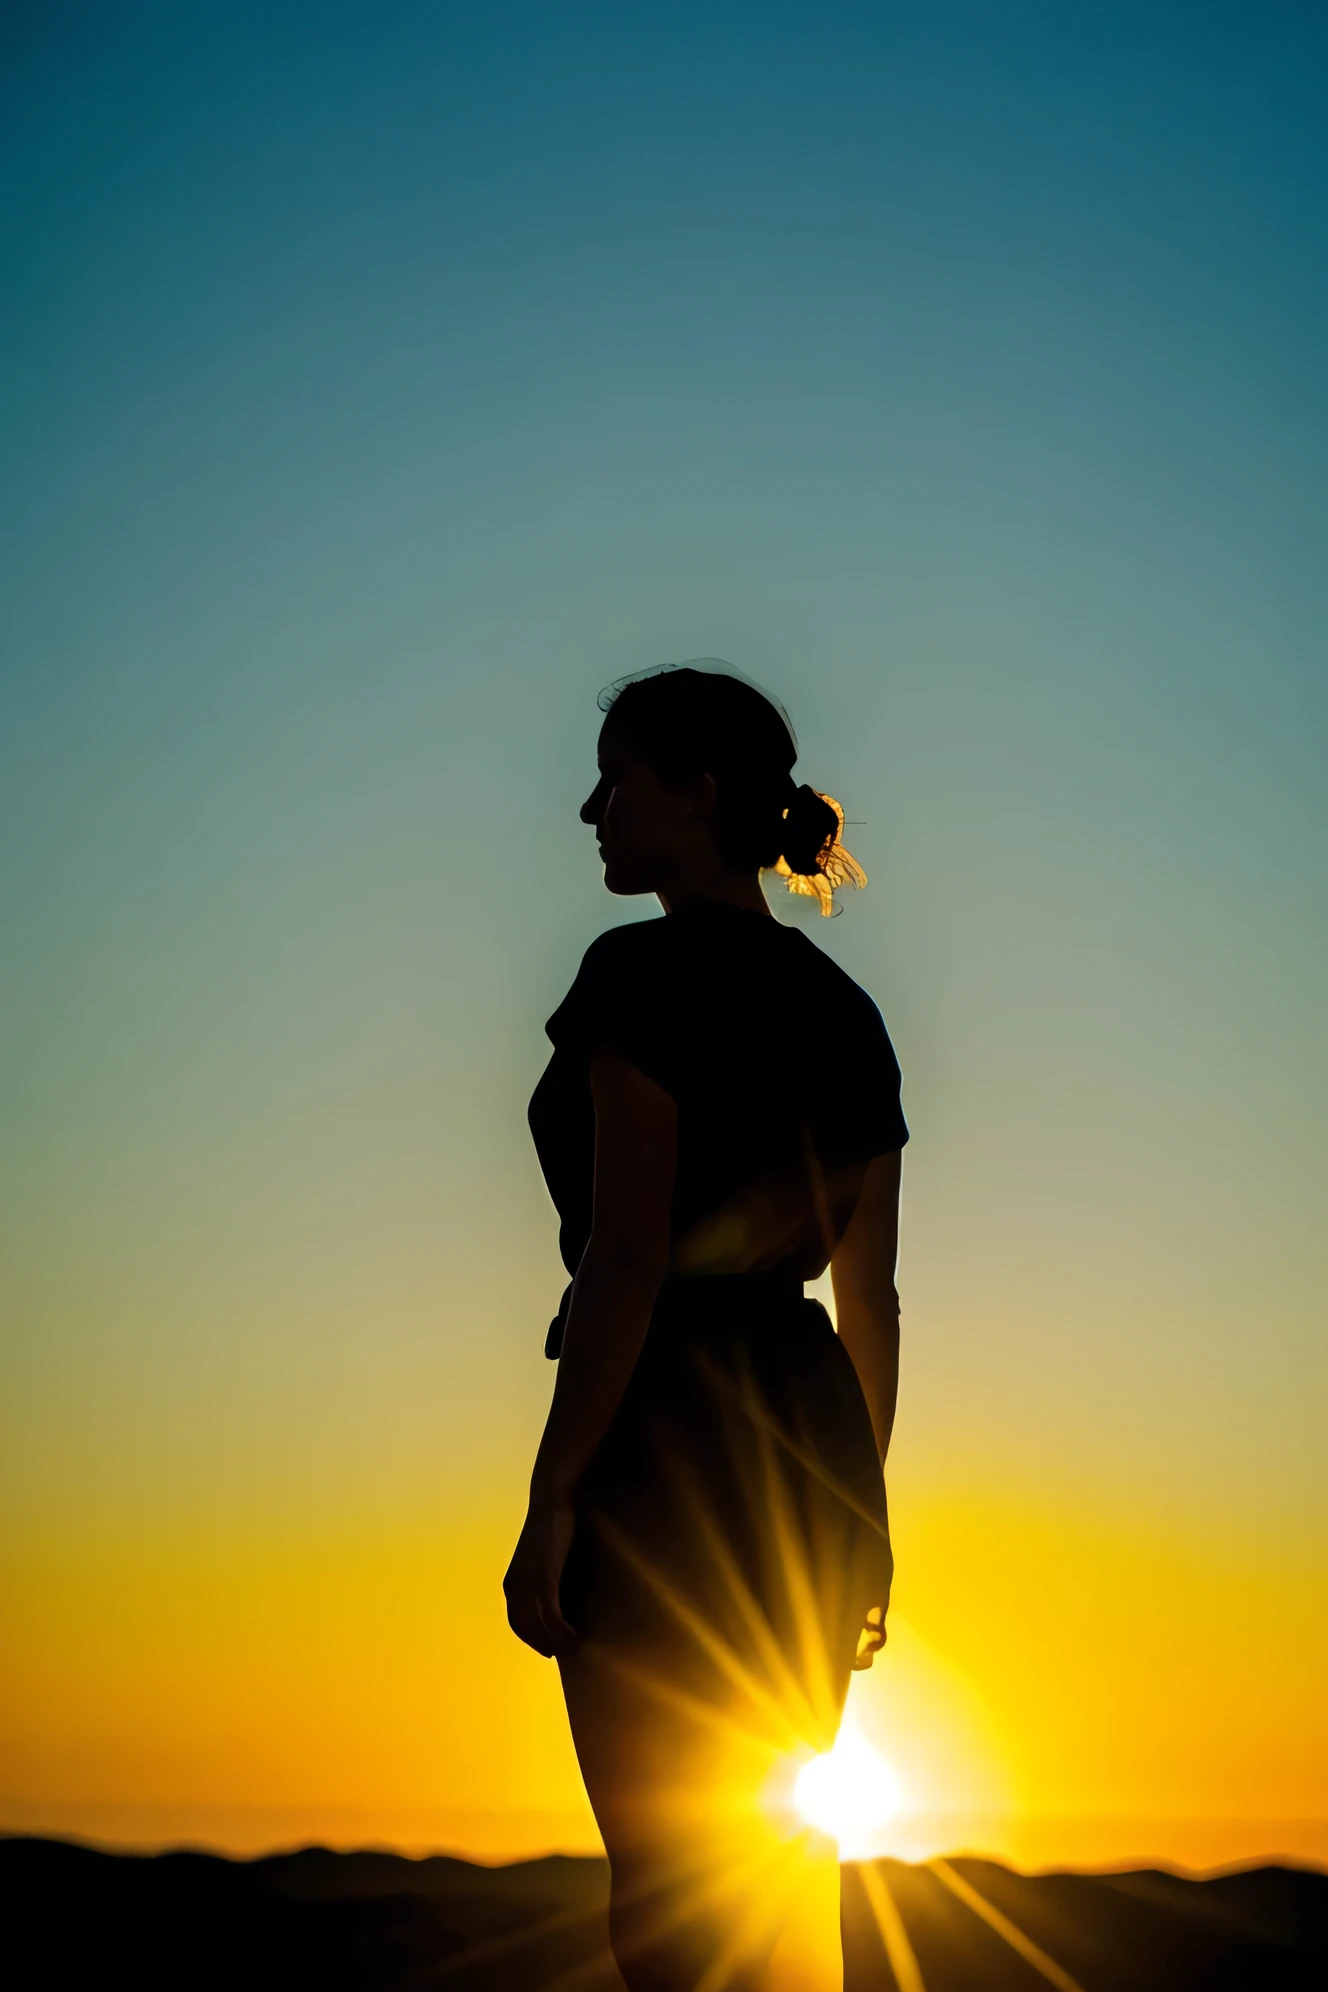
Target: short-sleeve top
column 785, row 1080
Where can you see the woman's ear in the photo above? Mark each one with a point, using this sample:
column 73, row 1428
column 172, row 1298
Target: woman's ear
column 704, row 795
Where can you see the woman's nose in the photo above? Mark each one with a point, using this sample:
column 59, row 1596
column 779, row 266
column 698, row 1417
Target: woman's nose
column 593, row 806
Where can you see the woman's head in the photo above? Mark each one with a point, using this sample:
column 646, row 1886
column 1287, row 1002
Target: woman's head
column 695, row 775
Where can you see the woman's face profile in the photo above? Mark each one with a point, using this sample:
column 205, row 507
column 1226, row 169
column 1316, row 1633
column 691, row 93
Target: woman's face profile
column 641, row 826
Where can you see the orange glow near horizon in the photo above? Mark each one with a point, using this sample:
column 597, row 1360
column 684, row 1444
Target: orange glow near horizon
column 255, row 1691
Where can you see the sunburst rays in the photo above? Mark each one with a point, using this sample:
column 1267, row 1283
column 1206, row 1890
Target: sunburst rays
column 890, row 1925
column 1032, row 1954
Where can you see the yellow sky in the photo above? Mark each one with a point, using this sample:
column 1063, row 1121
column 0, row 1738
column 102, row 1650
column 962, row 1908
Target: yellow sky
column 243, row 1686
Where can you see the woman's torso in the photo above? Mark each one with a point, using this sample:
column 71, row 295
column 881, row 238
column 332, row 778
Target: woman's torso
column 785, row 1081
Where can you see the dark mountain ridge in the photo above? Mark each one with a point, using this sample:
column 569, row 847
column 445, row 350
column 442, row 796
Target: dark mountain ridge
column 380, row 1922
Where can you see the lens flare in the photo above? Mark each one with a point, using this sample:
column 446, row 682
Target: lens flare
column 849, row 1793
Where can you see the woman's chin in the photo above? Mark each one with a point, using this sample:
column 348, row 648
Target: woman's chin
column 623, row 882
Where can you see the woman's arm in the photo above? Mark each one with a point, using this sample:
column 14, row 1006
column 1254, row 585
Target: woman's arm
column 862, row 1272
column 636, row 1142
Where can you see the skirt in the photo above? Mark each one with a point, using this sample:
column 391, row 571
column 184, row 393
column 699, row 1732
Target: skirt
column 731, row 1529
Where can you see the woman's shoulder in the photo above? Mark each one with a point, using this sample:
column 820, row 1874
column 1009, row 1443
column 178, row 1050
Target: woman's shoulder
column 621, row 955
column 822, row 968
column 835, row 997
column 628, row 941
column 619, row 966
column 624, row 996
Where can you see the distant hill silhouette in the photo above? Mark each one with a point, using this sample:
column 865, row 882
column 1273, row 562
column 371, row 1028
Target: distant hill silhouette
column 1264, row 1929
column 374, row 1922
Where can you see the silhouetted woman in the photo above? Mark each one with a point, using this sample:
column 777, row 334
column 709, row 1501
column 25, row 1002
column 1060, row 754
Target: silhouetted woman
column 706, row 1550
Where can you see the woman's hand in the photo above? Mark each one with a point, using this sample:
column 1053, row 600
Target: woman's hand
column 534, row 1574
column 871, row 1639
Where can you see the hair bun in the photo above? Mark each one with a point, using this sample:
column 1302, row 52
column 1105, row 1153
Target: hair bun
column 815, row 862
column 810, row 827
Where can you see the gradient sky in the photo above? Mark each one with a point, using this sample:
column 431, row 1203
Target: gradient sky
column 379, row 381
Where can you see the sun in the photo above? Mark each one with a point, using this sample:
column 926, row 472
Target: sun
column 849, row 1793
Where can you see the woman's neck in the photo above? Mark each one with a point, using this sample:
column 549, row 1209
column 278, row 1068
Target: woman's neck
column 741, row 889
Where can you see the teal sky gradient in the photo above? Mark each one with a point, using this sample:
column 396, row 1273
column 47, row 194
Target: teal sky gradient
column 381, row 380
